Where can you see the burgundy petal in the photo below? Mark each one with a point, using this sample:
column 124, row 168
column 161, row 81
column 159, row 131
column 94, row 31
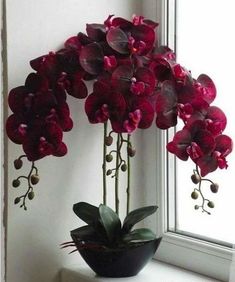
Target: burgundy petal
column 92, row 58
column 35, row 82
column 207, row 164
column 46, row 65
column 147, row 113
column 16, row 129
column 145, row 34
column 118, row 40
column 77, row 87
column 73, row 43
column 145, row 75
column 207, row 88
column 166, row 106
column 216, row 120
column 96, row 31
column 178, row 146
column 16, row 99
column 224, row 144
column 121, row 78
column 61, row 150
column 205, row 140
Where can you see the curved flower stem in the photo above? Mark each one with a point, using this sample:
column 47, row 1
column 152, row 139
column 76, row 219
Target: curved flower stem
column 104, row 166
column 128, row 178
column 117, row 174
column 30, row 188
column 204, row 200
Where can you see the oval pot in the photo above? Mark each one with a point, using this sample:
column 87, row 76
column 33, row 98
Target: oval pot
column 123, row 262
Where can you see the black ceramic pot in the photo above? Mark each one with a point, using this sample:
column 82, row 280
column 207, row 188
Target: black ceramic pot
column 123, row 262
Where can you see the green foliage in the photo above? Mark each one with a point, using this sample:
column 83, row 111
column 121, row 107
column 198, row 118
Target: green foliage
column 137, row 215
column 141, row 234
column 111, row 222
column 104, row 226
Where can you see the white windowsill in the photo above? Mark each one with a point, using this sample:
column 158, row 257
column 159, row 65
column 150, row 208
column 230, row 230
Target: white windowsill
column 154, row 270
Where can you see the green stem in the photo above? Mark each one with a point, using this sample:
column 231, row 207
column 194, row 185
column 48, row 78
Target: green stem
column 104, row 165
column 117, row 175
column 128, row 178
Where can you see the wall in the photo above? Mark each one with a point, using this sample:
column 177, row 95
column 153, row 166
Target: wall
column 33, row 237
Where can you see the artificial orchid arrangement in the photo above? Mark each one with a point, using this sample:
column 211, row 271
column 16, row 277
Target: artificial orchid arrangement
column 135, row 82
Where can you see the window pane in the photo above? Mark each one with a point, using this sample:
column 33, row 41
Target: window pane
column 205, row 44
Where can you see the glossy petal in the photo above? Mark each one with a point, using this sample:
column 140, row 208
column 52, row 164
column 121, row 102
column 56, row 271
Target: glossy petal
column 207, row 164
column 16, row 99
column 144, row 33
column 77, row 88
column 166, row 106
column 207, row 88
column 73, row 43
column 16, row 129
column 216, row 120
column 180, row 142
column 96, row 31
column 224, row 144
column 121, row 78
column 118, row 40
column 46, row 65
column 147, row 77
column 92, row 58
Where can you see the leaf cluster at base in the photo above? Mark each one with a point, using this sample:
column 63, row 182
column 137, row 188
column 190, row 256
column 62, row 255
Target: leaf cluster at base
column 104, row 227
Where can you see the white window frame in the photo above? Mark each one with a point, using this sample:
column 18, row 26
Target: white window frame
column 201, row 256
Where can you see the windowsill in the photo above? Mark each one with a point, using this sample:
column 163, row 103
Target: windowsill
column 154, row 269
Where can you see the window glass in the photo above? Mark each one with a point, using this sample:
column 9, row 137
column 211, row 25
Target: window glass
column 205, row 43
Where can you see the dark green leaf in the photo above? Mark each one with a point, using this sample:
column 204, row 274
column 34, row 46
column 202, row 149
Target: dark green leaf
column 87, row 233
column 110, row 221
column 142, row 234
column 137, row 215
column 87, row 212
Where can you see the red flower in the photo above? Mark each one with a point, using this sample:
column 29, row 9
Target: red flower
column 209, row 163
column 104, row 104
column 194, row 142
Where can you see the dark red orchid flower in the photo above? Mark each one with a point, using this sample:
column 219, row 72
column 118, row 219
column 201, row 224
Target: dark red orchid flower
column 140, row 82
column 32, row 99
column 104, row 104
column 139, row 114
column 133, row 79
column 217, row 159
column 46, row 65
column 44, row 139
column 194, row 142
column 126, row 37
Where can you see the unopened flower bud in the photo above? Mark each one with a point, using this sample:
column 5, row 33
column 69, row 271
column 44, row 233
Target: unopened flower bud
column 131, row 152
column 195, row 178
column 214, row 187
column 194, row 195
column 109, row 171
column 17, row 200
column 31, row 195
column 108, row 140
column 16, row 183
column 211, row 205
column 18, row 163
column 124, row 167
column 196, row 207
column 109, row 158
column 34, row 179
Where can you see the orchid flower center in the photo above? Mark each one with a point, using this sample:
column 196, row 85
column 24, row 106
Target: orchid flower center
column 194, row 151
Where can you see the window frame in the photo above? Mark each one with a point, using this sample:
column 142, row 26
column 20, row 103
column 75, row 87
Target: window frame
column 193, row 253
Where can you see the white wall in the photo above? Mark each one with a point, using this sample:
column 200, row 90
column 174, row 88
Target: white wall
column 34, row 28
